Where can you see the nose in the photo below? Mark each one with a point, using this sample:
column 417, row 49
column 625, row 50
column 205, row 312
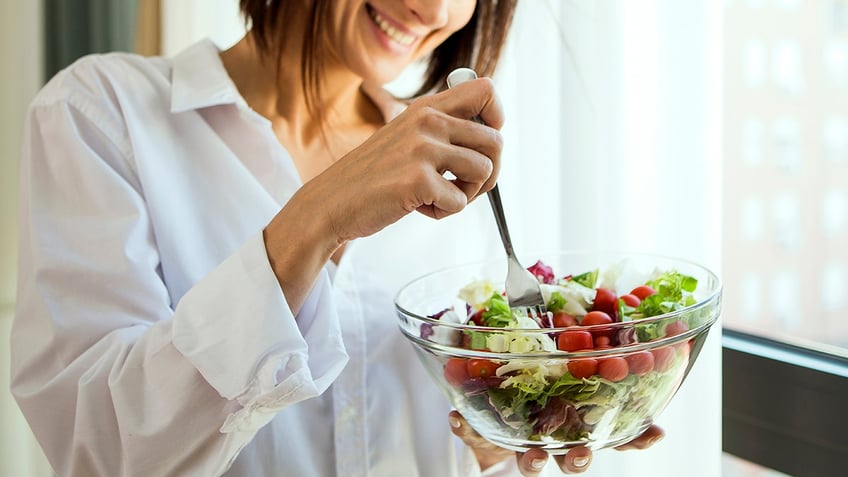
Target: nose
column 432, row 13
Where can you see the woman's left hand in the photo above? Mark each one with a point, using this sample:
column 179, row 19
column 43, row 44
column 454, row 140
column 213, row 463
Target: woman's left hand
column 532, row 462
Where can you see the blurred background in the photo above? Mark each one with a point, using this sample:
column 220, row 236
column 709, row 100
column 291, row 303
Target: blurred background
column 715, row 131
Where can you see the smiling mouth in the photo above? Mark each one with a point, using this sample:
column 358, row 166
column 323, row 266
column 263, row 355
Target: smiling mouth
column 396, row 35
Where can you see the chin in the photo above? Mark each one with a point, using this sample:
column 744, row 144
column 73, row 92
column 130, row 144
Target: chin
column 388, row 71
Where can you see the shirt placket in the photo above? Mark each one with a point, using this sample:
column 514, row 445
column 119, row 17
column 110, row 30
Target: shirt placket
column 349, row 406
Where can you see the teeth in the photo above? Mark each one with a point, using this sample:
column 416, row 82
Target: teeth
column 392, row 32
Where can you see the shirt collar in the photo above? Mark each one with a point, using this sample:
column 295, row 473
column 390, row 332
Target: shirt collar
column 199, row 80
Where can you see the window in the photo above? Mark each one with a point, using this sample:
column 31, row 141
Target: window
column 785, row 260
column 786, row 171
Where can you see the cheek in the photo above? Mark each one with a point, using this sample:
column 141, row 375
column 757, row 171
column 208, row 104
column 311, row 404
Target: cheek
column 460, row 12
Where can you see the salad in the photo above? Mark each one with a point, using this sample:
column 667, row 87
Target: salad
column 566, row 395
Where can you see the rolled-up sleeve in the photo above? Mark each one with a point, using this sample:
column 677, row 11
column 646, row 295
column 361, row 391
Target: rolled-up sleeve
column 271, row 360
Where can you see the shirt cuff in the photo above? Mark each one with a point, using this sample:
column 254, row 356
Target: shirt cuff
column 237, row 329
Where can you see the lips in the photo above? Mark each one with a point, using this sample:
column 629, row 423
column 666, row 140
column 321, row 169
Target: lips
column 390, row 29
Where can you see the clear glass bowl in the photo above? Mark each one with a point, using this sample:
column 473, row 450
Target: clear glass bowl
column 578, row 404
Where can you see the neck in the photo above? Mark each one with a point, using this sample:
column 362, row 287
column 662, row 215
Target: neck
column 279, row 93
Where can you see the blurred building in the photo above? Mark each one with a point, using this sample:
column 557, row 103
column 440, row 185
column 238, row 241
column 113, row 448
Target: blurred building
column 785, row 128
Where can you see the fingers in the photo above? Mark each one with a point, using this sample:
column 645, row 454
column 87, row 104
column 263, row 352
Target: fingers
column 441, row 198
column 485, row 142
column 469, row 150
column 460, row 428
column 576, row 461
column 472, row 162
column 402, row 167
column 472, row 169
column 651, row 436
column 477, row 99
column 532, row 462
column 472, row 99
column 488, row 454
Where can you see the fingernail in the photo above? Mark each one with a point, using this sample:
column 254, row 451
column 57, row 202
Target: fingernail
column 537, row 463
column 654, row 440
column 580, row 461
column 454, row 422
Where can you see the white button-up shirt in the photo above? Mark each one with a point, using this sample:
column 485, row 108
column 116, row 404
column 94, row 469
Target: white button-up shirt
column 151, row 336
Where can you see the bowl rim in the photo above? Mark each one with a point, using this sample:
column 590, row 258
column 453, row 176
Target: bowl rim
column 713, row 296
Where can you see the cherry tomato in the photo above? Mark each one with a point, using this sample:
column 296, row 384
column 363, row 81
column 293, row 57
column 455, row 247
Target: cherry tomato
column 602, row 341
column 643, row 291
column 456, row 372
column 630, row 300
column 599, row 318
column 663, row 358
column 573, row 340
column 562, row 319
column 606, row 301
column 583, row 368
column 596, row 318
column 640, row 363
column 676, row 328
column 481, row 368
column 614, row 369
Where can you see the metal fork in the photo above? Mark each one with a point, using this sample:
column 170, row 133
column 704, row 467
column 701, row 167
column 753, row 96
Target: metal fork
column 523, row 292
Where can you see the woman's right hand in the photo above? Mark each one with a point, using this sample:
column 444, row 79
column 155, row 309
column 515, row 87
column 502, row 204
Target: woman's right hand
column 398, row 170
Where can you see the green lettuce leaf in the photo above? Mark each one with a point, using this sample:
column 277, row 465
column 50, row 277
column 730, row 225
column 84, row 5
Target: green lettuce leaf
column 498, row 313
column 588, row 279
column 556, row 302
column 674, row 292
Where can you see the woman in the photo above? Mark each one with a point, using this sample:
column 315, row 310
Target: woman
column 202, row 288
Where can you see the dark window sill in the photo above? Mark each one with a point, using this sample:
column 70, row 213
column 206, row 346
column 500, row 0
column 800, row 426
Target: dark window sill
column 784, row 407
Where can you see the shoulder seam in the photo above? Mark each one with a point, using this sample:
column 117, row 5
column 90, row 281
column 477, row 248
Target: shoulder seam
column 98, row 117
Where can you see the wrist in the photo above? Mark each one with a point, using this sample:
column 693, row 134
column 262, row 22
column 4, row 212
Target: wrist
column 299, row 242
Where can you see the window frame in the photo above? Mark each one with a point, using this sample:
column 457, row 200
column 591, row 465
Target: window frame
column 806, row 432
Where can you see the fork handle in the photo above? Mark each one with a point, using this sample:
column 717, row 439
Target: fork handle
column 461, row 75
column 497, row 207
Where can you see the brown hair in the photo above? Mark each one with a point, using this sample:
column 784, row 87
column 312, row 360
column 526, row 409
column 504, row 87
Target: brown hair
column 491, row 21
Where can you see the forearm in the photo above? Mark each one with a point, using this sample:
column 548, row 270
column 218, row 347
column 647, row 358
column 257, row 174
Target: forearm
column 299, row 241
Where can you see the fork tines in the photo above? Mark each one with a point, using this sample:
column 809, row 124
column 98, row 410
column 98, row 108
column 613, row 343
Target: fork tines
column 537, row 312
